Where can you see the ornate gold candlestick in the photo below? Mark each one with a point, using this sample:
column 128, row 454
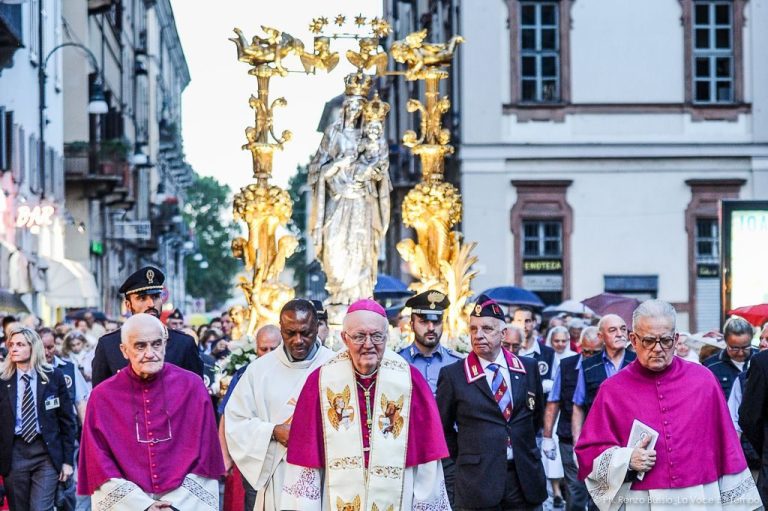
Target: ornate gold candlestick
column 262, row 206
column 438, row 258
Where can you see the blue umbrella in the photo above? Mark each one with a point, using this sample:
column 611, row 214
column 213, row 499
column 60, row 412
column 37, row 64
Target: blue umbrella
column 390, row 287
column 511, row 295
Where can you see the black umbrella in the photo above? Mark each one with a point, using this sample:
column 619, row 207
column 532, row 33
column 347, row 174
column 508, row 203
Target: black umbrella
column 11, row 302
column 80, row 314
column 511, row 295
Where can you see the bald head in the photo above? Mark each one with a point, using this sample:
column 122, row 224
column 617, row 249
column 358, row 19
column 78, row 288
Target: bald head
column 267, row 339
column 142, row 327
column 142, row 342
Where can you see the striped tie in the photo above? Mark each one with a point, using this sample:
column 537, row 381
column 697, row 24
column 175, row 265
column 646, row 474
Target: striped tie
column 499, row 388
column 28, row 413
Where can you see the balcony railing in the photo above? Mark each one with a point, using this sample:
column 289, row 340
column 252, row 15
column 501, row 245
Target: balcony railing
column 104, row 169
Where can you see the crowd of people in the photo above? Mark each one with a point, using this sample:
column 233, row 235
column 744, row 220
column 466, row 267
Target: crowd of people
column 576, row 412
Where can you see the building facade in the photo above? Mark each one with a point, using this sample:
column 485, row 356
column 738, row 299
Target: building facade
column 34, row 215
column 90, row 193
column 600, row 149
column 125, row 170
column 441, row 19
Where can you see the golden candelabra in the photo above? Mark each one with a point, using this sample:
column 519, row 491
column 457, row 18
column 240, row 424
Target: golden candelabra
column 262, row 206
column 437, row 258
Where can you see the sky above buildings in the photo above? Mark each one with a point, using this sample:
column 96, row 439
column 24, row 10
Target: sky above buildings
column 215, row 104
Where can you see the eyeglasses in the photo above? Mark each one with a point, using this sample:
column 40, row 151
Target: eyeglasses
column 154, row 440
column 360, row 338
column 589, row 353
column 666, row 342
column 742, row 349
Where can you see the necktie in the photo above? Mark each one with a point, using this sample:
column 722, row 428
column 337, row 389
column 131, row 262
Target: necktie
column 28, row 413
column 499, row 389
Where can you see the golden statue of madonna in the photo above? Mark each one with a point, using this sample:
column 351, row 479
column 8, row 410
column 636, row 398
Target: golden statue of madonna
column 349, row 177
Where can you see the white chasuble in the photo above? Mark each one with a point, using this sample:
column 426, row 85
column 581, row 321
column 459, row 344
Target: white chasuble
column 195, row 494
column 264, row 397
column 736, row 492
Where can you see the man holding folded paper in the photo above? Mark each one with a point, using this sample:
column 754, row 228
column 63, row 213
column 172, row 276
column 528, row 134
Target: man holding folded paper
column 659, row 435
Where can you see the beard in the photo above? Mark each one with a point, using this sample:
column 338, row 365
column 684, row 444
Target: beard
column 429, row 339
column 149, row 310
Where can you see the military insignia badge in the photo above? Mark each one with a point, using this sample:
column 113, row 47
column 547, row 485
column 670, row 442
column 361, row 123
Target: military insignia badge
column 543, row 368
column 531, row 401
column 478, row 309
column 150, row 276
column 68, row 380
column 340, row 413
column 434, row 298
column 390, row 420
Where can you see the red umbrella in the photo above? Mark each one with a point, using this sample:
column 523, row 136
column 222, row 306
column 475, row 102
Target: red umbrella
column 757, row 315
column 609, row 303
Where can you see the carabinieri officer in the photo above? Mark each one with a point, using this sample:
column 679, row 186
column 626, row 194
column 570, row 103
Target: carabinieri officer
column 142, row 292
column 426, row 353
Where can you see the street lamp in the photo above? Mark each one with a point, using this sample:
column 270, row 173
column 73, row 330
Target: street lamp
column 97, row 103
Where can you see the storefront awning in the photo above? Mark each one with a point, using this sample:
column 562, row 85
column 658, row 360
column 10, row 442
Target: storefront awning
column 70, row 284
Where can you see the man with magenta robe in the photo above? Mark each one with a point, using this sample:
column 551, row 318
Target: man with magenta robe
column 366, row 434
column 150, row 440
column 688, row 454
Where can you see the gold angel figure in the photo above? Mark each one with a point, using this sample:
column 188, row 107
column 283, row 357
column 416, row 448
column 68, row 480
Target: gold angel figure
column 323, row 58
column 417, row 54
column 369, row 56
column 267, row 50
column 340, row 413
column 348, row 506
column 374, row 507
column 390, row 421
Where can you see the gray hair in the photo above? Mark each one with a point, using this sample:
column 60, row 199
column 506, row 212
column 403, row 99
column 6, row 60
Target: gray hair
column 737, row 326
column 601, row 323
column 345, row 321
column 588, row 333
column 137, row 323
column 557, row 330
column 512, row 328
column 654, row 309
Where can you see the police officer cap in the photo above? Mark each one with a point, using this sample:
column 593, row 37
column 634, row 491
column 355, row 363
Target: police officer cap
column 147, row 281
column 429, row 305
column 176, row 314
column 322, row 314
column 487, row 307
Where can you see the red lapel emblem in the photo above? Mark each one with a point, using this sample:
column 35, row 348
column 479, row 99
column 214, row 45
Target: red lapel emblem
column 513, row 362
column 472, row 368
